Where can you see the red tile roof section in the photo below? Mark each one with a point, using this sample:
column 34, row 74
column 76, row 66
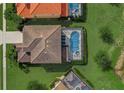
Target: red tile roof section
column 42, row 10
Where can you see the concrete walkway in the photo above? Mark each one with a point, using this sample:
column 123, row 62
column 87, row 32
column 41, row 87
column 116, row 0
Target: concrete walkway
column 8, row 37
column 4, row 48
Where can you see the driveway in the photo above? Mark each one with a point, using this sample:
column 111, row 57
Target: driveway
column 12, row 37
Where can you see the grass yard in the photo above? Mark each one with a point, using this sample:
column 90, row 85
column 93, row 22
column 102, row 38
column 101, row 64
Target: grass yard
column 11, row 26
column 1, row 15
column 18, row 79
column 98, row 16
column 1, row 22
column 1, row 66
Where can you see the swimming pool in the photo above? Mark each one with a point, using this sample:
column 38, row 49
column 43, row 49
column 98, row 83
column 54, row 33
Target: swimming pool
column 74, row 42
column 73, row 8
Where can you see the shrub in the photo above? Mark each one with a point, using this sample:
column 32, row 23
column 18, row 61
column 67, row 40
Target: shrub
column 103, row 60
column 10, row 14
column 116, row 4
column 106, row 35
column 52, row 84
column 85, row 46
column 12, row 54
column 24, row 67
column 35, row 85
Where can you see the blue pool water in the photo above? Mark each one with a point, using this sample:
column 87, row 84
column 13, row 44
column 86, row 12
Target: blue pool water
column 73, row 8
column 74, row 40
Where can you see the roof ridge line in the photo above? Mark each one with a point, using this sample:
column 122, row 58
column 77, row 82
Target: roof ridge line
column 34, row 9
column 22, row 9
column 45, row 41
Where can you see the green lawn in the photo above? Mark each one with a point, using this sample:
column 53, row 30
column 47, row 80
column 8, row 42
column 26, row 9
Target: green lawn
column 1, row 20
column 18, row 79
column 11, row 26
column 98, row 16
column 1, row 67
column 1, row 13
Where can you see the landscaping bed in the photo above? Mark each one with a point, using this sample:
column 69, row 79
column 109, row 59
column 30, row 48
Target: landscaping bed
column 13, row 21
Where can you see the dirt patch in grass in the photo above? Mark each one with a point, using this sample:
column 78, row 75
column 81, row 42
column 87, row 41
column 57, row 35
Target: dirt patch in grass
column 119, row 67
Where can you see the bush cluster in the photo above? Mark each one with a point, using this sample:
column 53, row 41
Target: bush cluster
column 103, row 60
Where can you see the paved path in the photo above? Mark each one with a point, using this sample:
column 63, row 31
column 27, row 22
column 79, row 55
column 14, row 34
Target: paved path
column 14, row 37
column 8, row 37
column 11, row 37
column 4, row 48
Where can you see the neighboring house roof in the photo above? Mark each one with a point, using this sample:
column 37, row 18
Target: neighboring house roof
column 61, row 86
column 42, row 10
column 42, row 44
column 72, row 82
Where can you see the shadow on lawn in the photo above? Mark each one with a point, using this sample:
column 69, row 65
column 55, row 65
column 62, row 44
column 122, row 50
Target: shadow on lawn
column 53, row 67
column 39, row 21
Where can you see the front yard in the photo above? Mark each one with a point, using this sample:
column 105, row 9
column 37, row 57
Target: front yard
column 1, row 16
column 18, row 79
column 98, row 16
column 11, row 25
column 0, row 66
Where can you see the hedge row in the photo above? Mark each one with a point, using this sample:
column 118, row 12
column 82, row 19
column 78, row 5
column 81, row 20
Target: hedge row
column 85, row 47
column 52, row 84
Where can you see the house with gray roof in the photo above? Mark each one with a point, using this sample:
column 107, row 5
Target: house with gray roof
column 46, row 44
column 71, row 82
column 42, row 44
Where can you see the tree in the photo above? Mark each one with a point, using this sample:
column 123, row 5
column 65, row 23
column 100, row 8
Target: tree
column 12, row 54
column 35, row 85
column 116, row 4
column 24, row 67
column 103, row 60
column 9, row 14
column 106, row 35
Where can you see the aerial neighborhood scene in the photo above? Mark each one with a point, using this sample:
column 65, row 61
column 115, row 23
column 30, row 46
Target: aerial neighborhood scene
column 61, row 46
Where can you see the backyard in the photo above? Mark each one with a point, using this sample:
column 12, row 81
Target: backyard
column 98, row 16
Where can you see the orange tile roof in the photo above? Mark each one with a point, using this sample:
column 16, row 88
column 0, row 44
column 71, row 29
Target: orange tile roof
column 42, row 10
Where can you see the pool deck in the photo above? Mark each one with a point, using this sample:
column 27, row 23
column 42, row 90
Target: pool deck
column 67, row 32
column 75, row 6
